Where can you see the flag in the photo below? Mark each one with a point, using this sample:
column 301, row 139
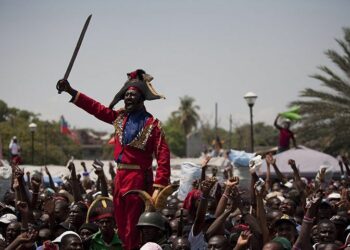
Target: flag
column 292, row 114
column 64, row 126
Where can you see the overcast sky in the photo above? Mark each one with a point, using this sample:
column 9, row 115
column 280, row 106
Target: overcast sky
column 214, row 51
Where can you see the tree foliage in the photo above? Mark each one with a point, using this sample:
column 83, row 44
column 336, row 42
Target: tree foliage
column 14, row 122
column 326, row 113
column 187, row 114
column 175, row 136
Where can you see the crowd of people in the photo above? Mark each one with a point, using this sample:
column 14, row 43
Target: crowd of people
column 276, row 212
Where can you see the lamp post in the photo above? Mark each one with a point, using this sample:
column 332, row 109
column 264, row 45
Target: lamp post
column 250, row 98
column 32, row 129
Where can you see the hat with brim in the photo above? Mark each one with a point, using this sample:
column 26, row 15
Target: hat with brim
column 101, row 208
column 144, row 86
column 285, row 219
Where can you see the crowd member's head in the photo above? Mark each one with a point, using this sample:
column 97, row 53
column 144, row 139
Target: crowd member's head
column 61, row 210
column 168, row 213
column 69, row 240
column 172, row 203
column 106, row 225
column 77, row 214
column 286, row 124
column 44, row 235
column 340, row 223
column 285, row 227
column 87, row 230
column 272, row 216
column 324, row 211
column 12, row 231
column 153, row 227
column 326, row 231
column 288, row 207
column 181, row 243
column 314, row 234
column 218, row 242
column 273, row 203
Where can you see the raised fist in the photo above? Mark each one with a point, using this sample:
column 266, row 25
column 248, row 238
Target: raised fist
column 63, row 85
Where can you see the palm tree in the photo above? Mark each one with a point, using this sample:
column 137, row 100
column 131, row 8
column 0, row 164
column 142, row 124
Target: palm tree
column 187, row 113
column 326, row 113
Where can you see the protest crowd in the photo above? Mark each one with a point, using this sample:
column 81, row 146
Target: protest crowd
column 274, row 213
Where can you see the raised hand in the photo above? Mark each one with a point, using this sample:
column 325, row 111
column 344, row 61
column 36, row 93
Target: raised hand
column 205, row 161
column 207, row 185
column 22, row 207
column 243, row 239
column 18, row 172
column 47, row 171
column 291, row 162
column 98, row 170
column 270, row 160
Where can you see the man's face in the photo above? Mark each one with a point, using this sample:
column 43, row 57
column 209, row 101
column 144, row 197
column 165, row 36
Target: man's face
column 326, row 232
column 288, row 207
column 106, row 225
column 12, row 231
column 76, row 216
column 286, row 230
column 273, row 203
column 286, row 125
column 133, row 100
column 74, row 243
column 217, row 242
column 61, row 211
column 85, row 234
column 181, row 244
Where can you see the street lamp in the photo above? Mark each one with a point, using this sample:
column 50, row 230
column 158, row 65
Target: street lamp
column 250, row 98
column 32, row 129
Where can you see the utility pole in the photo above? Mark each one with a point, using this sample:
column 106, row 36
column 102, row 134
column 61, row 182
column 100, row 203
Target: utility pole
column 216, row 120
column 230, row 133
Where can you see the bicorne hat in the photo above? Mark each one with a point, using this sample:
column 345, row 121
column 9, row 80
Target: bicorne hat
column 141, row 81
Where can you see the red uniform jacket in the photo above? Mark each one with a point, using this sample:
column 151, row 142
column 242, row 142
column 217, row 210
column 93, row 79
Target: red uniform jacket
column 150, row 141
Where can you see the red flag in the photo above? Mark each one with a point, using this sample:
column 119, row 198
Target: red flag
column 66, row 131
column 64, row 126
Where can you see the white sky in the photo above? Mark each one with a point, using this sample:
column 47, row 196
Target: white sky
column 214, row 51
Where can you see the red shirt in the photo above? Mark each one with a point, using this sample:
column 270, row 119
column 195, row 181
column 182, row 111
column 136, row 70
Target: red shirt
column 285, row 136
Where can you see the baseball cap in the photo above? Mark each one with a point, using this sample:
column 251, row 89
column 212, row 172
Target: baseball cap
column 8, row 218
column 59, row 238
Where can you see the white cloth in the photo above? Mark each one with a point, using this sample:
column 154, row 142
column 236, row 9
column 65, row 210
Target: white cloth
column 197, row 242
column 189, row 172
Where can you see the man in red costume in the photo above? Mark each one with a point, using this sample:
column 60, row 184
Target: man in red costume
column 138, row 136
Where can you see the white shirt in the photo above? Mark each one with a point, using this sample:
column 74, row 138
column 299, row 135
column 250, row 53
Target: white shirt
column 14, row 148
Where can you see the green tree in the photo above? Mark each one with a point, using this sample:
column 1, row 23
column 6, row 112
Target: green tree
column 326, row 113
column 187, row 114
column 175, row 136
column 59, row 147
